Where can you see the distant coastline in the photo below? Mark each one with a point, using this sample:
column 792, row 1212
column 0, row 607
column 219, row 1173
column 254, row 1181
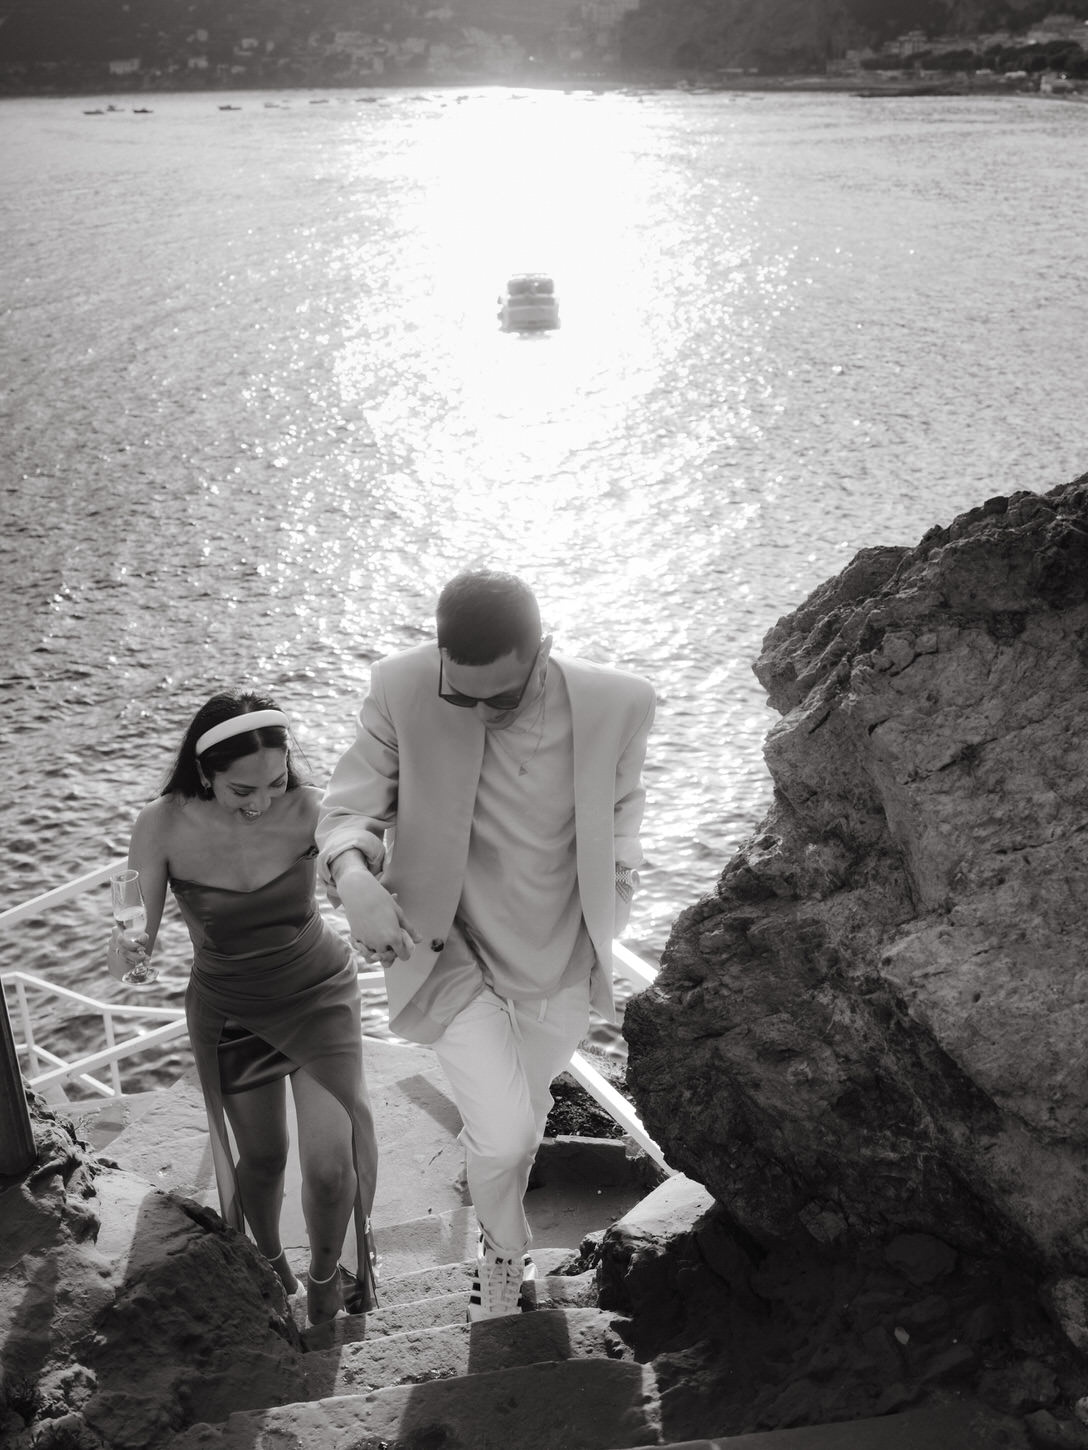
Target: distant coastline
column 114, row 48
column 860, row 84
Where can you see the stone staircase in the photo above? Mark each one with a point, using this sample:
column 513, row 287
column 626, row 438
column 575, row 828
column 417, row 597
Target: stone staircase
column 413, row 1374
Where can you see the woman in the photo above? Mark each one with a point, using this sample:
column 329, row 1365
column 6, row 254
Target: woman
column 273, row 992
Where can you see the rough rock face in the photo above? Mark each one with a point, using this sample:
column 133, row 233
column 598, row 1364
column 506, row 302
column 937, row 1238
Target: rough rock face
column 127, row 1313
column 744, row 1339
column 877, row 1025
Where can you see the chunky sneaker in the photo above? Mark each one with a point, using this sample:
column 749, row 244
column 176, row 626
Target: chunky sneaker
column 496, row 1285
column 528, row 1267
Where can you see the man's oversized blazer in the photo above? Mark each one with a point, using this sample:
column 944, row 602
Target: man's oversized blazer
column 410, row 779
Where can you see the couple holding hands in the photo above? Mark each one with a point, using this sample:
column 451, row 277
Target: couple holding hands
column 481, row 835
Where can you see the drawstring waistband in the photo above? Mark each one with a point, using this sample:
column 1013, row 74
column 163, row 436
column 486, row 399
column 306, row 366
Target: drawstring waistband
column 511, row 1011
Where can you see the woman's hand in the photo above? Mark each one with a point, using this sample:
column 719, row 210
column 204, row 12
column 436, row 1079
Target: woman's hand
column 379, row 928
column 127, row 952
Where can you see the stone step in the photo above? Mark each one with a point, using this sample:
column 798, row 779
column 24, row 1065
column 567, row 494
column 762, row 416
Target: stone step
column 574, row 1404
column 577, row 1291
column 418, row 1314
column 101, row 1122
column 964, row 1426
column 562, row 1291
column 421, row 1355
column 451, row 1278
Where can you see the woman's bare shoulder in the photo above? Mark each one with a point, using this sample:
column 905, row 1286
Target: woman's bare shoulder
column 160, row 819
column 307, row 803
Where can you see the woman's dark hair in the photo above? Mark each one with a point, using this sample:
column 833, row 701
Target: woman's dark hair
column 184, row 776
column 483, row 615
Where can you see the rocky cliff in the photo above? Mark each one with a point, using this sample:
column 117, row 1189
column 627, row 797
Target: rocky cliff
column 876, row 1025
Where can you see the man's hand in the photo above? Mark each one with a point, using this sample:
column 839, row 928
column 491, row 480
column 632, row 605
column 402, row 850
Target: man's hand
column 379, row 928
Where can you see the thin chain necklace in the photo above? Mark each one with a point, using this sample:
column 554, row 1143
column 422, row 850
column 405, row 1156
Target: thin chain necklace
column 532, row 726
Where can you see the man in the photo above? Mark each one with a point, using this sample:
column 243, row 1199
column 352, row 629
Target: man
column 508, row 781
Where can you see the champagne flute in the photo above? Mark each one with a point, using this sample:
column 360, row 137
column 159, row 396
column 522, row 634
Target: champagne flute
column 130, row 914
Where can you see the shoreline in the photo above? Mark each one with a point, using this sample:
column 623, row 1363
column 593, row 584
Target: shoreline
column 862, row 85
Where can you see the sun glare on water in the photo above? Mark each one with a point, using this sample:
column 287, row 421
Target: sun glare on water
column 511, row 182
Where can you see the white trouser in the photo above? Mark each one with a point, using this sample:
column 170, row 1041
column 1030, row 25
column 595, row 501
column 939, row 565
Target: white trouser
column 500, row 1058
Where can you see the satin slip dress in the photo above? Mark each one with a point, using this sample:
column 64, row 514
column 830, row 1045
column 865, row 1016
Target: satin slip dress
column 273, row 989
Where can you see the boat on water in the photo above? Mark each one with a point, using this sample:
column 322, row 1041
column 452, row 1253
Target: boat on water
column 529, row 303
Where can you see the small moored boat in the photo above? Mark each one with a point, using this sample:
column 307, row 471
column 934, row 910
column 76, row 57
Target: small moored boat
column 530, row 303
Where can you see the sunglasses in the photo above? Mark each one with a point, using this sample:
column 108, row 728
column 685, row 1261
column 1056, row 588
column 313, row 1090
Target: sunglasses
column 508, row 701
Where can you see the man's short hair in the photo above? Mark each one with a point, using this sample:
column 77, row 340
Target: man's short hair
column 483, row 615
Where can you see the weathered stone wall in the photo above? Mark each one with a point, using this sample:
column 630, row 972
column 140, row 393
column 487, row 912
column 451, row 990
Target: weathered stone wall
column 879, row 1021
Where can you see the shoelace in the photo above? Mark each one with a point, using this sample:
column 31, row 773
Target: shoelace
column 500, row 1283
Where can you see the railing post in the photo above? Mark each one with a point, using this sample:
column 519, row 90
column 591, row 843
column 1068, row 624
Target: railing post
column 17, row 1150
column 27, row 1026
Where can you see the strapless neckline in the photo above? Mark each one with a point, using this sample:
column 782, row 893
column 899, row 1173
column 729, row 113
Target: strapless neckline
column 307, row 855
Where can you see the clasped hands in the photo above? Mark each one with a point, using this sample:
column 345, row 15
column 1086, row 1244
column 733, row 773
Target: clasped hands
column 379, row 928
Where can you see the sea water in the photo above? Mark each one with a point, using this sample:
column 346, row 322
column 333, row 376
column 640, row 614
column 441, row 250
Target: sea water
column 256, row 409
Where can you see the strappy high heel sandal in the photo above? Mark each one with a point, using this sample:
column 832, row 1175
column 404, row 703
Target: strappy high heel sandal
column 361, row 1289
column 323, row 1306
column 285, row 1273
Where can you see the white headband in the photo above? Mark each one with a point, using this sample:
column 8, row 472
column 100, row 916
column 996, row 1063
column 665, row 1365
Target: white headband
column 238, row 725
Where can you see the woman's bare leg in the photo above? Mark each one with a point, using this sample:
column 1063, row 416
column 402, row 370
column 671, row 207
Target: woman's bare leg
column 258, row 1120
column 328, row 1187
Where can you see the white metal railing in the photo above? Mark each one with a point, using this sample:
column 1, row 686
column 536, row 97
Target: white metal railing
column 47, row 1069
column 59, row 1070
column 75, row 887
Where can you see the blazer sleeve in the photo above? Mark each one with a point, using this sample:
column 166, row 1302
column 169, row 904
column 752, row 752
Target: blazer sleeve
column 360, row 801
column 630, row 793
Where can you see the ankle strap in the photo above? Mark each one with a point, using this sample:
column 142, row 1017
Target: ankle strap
column 329, row 1280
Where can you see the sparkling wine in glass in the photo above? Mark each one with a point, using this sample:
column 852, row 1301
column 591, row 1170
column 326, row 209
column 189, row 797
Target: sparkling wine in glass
column 130, row 914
